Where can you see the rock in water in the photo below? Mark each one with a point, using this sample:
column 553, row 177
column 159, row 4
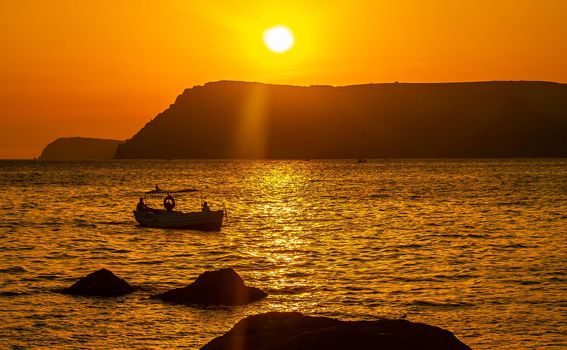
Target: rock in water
column 292, row 330
column 101, row 283
column 222, row 287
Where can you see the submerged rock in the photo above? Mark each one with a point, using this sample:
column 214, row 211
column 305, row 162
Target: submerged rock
column 222, row 287
column 293, row 330
column 101, row 283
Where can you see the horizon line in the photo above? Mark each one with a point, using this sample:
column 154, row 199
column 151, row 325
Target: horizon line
column 378, row 83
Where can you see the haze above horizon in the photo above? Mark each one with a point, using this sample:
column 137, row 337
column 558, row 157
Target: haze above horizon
column 103, row 69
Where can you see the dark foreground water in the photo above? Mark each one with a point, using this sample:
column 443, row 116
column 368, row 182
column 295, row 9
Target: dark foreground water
column 476, row 247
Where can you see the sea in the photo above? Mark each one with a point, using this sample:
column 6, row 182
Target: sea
column 478, row 247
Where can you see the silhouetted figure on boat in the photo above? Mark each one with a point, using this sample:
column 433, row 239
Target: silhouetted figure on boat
column 205, row 207
column 141, row 205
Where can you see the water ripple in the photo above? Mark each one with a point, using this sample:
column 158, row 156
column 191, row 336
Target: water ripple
column 474, row 246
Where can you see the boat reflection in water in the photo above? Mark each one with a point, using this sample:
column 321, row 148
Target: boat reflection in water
column 203, row 220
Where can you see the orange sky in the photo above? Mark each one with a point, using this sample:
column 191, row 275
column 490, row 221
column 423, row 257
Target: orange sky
column 104, row 68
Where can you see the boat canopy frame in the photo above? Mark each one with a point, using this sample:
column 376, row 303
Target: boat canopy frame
column 161, row 191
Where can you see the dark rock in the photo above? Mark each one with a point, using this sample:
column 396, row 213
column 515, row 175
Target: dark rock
column 100, row 283
column 222, row 287
column 292, row 330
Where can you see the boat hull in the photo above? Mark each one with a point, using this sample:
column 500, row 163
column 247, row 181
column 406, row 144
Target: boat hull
column 203, row 221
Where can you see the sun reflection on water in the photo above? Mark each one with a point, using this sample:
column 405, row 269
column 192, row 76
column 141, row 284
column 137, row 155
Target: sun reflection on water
column 283, row 190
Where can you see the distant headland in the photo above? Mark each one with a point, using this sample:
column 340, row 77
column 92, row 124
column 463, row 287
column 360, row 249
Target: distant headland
column 79, row 148
column 231, row 119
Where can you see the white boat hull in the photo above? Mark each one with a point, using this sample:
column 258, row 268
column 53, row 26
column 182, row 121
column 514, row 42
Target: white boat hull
column 203, row 221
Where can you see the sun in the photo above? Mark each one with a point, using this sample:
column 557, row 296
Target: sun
column 279, row 39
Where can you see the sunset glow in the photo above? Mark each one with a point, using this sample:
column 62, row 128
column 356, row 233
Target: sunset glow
column 75, row 68
column 240, row 175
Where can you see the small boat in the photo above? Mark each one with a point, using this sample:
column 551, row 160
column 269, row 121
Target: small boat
column 210, row 221
column 203, row 220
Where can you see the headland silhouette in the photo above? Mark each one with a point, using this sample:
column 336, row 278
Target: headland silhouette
column 79, row 148
column 490, row 119
column 231, row 119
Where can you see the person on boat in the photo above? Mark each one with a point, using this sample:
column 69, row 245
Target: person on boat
column 205, row 207
column 141, row 205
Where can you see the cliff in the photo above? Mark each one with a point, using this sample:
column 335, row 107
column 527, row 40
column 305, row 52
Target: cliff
column 79, row 148
column 252, row 120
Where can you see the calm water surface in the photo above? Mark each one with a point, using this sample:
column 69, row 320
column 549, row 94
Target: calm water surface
column 477, row 247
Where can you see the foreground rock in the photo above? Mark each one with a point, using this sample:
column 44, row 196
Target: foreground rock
column 101, row 283
column 222, row 287
column 292, row 330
